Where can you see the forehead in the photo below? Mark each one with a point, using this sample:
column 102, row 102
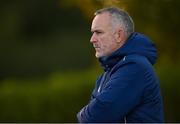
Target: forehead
column 101, row 21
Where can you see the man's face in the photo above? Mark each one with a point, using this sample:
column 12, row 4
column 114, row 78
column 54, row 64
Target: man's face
column 103, row 35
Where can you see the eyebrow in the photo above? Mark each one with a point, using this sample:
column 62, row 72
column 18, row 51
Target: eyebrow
column 96, row 30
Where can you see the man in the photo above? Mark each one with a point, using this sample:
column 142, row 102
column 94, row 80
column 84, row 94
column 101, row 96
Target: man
column 128, row 91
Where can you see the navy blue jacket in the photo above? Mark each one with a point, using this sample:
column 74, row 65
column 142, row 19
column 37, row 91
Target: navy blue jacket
column 128, row 91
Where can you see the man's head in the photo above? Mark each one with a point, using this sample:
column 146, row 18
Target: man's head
column 110, row 29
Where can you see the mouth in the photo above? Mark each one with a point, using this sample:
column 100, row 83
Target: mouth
column 96, row 48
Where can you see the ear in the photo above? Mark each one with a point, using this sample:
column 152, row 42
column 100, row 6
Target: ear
column 120, row 35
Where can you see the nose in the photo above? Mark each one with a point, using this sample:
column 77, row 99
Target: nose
column 93, row 38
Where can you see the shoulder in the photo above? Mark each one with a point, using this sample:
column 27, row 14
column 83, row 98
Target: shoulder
column 134, row 68
column 132, row 63
column 139, row 60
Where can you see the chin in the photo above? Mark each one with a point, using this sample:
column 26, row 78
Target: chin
column 98, row 55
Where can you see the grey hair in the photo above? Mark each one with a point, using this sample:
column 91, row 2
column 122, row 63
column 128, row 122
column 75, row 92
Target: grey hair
column 120, row 17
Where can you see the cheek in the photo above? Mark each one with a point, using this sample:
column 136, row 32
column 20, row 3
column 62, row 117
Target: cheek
column 108, row 45
column 105, row 47
column 106, row 42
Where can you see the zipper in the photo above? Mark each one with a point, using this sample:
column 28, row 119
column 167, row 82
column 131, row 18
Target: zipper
column 103, row 82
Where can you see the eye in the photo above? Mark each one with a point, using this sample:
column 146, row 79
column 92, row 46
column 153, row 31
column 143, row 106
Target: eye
column 98, row 32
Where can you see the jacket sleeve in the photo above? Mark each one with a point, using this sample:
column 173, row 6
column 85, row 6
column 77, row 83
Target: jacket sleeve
column 120, row 95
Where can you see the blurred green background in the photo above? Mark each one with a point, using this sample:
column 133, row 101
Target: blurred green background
column 47, row 65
